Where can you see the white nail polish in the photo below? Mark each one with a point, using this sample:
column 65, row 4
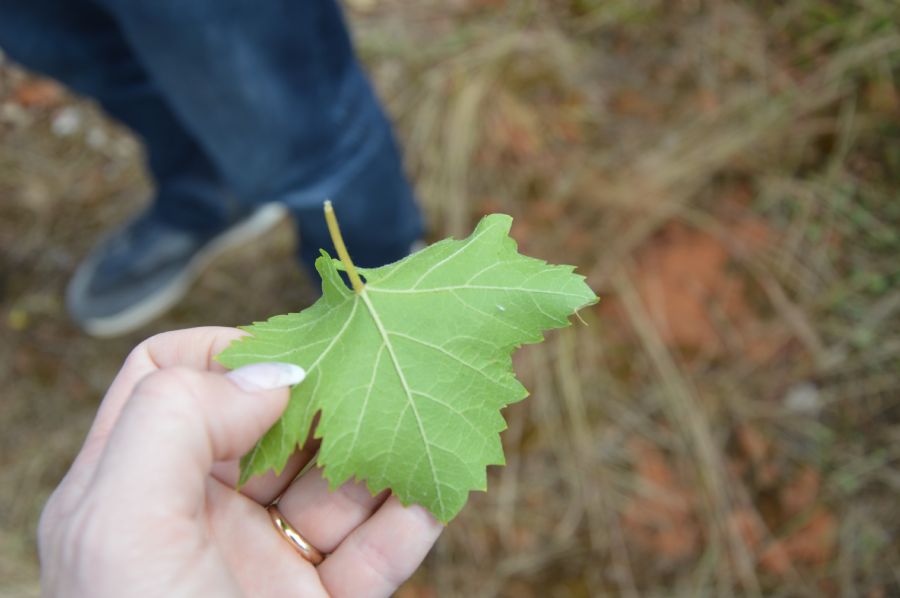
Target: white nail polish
column 266, row 376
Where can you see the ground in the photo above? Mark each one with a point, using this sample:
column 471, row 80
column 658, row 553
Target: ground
column 725, row 421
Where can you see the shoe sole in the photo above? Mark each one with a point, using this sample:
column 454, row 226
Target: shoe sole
column 158, row 303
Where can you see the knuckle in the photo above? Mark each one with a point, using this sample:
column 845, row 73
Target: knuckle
column 156, row 339
column 142, row 350
column 87, row 541
column 173, row 392
column 377, row 558
column 357, row 495
column 139, row 354
column 177, row 400
column 72, row 541
column 170, row 383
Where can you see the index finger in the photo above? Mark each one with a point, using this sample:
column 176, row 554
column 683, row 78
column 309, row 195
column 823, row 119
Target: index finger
column 194, row 348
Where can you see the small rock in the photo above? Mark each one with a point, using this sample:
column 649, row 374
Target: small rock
column 13, row 114
column 67, row 122
column 125, row 147
column 803, row 398
column 97, row 138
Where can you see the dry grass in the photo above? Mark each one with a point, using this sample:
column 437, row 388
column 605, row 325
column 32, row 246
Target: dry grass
column 725, row 174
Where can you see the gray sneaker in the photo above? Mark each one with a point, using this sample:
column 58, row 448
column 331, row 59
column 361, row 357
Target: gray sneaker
column 142, row 270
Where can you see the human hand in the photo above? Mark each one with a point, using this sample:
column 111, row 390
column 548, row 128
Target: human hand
column 149, row 508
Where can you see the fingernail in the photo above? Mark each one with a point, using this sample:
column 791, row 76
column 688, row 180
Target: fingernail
column 266, row 376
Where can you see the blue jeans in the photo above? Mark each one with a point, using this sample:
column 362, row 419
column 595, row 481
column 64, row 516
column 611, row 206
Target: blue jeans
column 239, row 103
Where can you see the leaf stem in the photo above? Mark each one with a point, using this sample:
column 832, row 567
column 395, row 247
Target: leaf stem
column 338, row 241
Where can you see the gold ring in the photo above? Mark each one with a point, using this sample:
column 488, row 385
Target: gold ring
column 306, row 550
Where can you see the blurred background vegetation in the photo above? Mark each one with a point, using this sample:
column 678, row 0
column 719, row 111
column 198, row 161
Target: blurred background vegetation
column 724, row 172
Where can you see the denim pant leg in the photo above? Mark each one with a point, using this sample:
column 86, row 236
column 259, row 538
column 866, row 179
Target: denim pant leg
column 273, row 92
column 78, row 43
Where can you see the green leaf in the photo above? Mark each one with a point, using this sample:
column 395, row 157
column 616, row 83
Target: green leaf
column 411, row 374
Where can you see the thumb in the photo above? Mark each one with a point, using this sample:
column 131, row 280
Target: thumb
column 179, row 421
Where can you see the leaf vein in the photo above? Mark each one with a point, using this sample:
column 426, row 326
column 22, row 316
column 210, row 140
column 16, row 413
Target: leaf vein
column 468, row 243
column 469, row 287
column 444, row 351
column 409, row 395
column 362, row 410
